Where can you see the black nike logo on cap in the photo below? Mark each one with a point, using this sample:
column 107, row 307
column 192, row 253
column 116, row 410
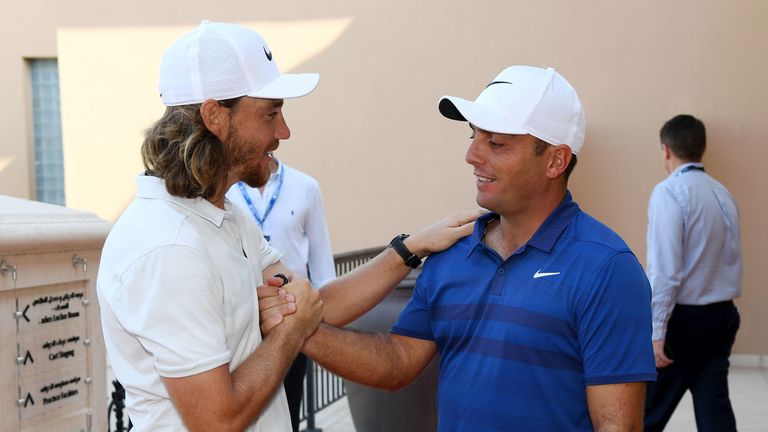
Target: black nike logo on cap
column 498, row 82
column 268, row 53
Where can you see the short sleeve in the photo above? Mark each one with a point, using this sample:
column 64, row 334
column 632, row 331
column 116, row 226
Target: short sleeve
column 171, row 300
column 414, row 319
column 614, row 325
column 255, row 245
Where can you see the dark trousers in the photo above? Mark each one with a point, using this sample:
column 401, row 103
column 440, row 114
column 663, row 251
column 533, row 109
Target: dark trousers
column 699, row 341
column 294, row 388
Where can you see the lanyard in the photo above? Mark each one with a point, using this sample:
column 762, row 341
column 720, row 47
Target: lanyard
column 689, row 168
column 272, row 199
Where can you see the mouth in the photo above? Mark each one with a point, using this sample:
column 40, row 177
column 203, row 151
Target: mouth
column 484, row 180
column 269, row 152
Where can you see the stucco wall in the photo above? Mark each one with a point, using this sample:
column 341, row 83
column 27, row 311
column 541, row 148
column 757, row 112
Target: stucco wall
column 371, row 134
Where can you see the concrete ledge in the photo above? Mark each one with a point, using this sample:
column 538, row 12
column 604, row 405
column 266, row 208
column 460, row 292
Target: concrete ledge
column 30, row 226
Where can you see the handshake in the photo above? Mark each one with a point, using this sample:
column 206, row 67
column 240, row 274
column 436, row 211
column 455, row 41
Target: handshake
column 292, row 304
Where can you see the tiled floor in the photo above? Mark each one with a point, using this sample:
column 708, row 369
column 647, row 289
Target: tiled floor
column 749, row 395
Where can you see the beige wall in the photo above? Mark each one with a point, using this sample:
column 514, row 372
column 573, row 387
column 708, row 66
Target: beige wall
column 371, row 134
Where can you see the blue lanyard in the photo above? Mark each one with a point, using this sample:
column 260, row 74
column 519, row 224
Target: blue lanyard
column 689, row 168
column 272, row 200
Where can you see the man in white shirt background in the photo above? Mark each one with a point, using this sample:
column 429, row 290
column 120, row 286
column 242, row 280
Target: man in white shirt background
column 694, row 265
column 289, row 210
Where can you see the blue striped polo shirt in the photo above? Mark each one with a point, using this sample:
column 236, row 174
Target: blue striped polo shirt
column 519, row 340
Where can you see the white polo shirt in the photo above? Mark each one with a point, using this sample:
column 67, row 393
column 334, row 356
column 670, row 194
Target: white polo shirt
column 177, row 289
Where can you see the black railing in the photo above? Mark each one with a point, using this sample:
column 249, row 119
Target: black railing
column 321, row 388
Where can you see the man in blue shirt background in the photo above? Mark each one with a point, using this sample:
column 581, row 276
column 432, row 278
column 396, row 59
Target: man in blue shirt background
column 542, row 316
column 694, row 266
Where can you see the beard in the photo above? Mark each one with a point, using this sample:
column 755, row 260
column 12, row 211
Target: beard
column 250, row 166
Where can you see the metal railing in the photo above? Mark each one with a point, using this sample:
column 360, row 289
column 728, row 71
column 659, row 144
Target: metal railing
column 321, row 387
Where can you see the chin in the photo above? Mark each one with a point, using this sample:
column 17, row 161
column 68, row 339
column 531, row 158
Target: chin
column 255, row 182
column 489, row 205
column 256, row 178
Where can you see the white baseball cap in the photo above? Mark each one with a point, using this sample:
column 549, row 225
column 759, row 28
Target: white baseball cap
column 524, row 100
column 223, row 61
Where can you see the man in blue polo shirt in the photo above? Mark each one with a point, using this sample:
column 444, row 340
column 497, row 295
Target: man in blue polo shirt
column 542, row 316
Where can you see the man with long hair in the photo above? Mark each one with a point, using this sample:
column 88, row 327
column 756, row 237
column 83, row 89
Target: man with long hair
column 178, row 279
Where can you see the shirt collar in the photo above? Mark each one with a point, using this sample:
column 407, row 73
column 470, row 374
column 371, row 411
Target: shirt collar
column 150, row 187
column 545, row 237
column 684, row 166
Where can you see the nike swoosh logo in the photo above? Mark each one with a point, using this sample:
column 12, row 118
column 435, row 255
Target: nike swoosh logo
column 268, row 54
column 539, row 274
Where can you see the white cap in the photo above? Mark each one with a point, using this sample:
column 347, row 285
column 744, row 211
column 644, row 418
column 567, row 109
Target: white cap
column 524, row 100
column 223, row 61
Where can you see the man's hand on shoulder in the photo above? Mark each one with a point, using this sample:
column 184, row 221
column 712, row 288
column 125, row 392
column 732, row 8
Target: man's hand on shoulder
column 443, row 234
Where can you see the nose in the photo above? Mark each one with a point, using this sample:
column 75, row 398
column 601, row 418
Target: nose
column 282, row 132
column 473, row 153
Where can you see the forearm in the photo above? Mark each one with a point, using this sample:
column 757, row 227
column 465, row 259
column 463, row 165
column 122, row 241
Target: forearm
column 223, row 401
column 356, row 292
column 366, row 358
column 255, row 381
column 252, row 387
column 663, row 299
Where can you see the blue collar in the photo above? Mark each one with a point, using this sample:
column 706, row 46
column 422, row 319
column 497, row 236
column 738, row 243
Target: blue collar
column 684, row 168
column 545, row 237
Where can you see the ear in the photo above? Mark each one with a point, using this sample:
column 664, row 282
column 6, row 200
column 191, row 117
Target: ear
column 559, row 159
column 216, row 118
column 666, row 152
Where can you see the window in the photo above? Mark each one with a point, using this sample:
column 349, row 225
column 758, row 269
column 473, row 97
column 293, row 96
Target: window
column 46, row 114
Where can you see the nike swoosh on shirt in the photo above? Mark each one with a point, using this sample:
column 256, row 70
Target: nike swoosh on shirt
column 539, row 274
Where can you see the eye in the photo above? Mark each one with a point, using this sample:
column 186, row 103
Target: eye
column 473, row 132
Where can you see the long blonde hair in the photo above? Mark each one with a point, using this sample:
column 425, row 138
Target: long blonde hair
column 179, row 149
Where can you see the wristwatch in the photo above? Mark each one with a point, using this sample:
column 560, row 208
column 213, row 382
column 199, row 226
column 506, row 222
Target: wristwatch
column 410, row 258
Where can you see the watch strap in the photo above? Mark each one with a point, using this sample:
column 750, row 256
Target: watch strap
column 409, row 258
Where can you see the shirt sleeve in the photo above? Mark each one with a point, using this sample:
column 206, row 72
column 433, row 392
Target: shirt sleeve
column 614, row 325
column 171, row 300
column 664, row 260
column 414, row 319
column 320, row 260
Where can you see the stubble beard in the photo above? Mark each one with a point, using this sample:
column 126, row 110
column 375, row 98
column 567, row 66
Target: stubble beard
column 238, row 157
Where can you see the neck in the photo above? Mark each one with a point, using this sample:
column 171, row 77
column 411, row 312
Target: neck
column 674, row 163
column 512, row 231
column 218, row 198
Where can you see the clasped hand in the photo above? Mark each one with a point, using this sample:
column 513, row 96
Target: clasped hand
column 295, row 304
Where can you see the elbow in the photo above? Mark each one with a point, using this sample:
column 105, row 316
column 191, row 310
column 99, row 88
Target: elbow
column 396, row 381
column 393, row 387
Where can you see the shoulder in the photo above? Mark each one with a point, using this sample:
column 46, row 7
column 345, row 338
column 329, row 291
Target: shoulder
column 149, row 226
column 449, row 259
column 589, row 233
column 300, row 177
